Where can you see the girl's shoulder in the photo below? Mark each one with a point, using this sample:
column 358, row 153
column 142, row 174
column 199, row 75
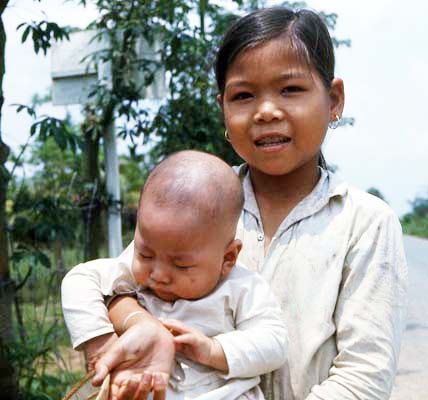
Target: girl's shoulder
column 366, row 204
column 362, row 213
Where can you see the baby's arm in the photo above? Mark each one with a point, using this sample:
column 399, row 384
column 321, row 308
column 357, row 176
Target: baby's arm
column 259, row 342
column 257, row 345
column 82, row 295
column 196, row 346
column 86, row 316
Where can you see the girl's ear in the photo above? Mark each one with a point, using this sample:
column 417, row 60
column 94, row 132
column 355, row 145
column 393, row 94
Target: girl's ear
column 337, row 98
column 230, row 257
column 220, row 100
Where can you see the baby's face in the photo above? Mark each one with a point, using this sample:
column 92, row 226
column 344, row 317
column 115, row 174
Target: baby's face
column 175, row 255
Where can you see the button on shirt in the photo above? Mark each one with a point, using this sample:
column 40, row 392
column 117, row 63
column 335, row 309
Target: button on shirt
column 336, row 265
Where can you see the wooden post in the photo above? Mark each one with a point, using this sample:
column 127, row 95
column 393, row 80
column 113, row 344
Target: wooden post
column 113, row 191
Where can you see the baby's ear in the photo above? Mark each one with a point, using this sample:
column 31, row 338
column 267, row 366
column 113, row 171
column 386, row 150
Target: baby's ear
column 230, row 257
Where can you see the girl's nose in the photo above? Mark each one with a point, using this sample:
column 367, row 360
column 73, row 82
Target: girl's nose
column 267, row 111
column 160, row 274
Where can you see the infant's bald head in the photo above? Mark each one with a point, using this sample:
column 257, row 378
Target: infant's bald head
column 197, row 182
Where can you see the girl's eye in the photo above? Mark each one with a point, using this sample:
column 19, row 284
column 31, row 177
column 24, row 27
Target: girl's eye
column 292, row 89
column 241, row 96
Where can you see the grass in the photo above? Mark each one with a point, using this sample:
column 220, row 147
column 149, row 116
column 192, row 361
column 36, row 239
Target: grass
column 44, row 361
column 415, row 226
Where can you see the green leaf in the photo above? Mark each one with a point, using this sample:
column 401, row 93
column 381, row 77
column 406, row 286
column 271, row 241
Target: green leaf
column 43, row 259
column 33, row 129
column 60, row 138
column 43, row 130
column 25, row 34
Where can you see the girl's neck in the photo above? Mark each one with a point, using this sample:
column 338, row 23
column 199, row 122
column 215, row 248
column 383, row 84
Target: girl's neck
column 289, row 188
column 277, row 195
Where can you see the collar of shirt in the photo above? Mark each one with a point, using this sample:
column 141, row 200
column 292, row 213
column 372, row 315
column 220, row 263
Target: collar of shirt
column 328, row 186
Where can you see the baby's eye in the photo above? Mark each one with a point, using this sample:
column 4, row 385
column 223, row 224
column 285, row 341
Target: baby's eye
column 241, row 96
column 184, row 267
column 146, row 256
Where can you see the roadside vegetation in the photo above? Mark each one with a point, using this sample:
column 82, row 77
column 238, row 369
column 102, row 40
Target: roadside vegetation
column 416, row 222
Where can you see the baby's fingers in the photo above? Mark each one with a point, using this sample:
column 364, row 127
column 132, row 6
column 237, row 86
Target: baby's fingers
column 175, row 327
column 188, row 339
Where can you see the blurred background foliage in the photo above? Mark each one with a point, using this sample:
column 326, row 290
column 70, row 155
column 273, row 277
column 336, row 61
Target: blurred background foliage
column 52, row 192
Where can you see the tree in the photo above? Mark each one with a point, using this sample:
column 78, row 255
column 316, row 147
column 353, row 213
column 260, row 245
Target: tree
column 416, row 221
column 42, row 34
column 420, row 206
column 8, row 383
column 376, row 192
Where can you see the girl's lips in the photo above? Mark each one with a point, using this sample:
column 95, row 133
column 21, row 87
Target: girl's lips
column 272, row 141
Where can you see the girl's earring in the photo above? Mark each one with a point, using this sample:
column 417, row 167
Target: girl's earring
column 226, row 135
column 334, row 124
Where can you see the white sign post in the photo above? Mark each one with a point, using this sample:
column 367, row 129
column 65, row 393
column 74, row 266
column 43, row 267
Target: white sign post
column 73, row 75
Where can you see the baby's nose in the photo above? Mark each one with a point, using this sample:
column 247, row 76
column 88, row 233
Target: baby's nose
column 161, row 274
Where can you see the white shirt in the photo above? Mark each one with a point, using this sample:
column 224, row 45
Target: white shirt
column 336, row 265
column 241, row 313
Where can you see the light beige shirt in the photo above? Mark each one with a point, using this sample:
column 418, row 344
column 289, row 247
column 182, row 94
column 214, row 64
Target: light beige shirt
column 337, row 267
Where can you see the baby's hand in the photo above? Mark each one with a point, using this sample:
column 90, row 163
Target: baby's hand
column 196, row 346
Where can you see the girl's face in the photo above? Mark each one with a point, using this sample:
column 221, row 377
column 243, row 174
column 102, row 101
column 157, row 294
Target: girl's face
column 276, row 108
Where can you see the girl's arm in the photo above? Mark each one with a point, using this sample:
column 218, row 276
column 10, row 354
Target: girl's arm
column 369, row 315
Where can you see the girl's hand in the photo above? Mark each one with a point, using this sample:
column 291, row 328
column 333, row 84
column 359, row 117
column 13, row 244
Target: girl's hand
column 96, row 347
column 196, row 346
column 140, row 361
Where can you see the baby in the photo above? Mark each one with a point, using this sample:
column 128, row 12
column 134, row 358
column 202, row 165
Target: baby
column 184, row 268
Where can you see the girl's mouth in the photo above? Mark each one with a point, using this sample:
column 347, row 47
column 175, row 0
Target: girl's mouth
column 272, row 141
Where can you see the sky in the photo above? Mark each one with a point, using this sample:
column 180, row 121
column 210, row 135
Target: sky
column 384, row 71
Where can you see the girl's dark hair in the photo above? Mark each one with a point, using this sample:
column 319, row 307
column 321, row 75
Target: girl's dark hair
column 305, row 30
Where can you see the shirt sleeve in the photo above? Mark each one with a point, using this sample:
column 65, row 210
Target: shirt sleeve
column 369, row 315
column 83, row 292
column 259, row 342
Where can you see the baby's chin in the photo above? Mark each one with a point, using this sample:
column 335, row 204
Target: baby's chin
column 165, row 295
column 171, row 297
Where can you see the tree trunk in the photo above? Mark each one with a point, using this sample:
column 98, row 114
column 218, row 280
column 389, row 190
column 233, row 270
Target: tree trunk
column 91, row 178
column 8, row 381
column 8, row 385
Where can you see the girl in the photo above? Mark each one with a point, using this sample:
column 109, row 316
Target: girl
column 332, row 254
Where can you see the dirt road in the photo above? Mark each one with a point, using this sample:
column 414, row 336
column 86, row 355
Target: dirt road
column 412, row 379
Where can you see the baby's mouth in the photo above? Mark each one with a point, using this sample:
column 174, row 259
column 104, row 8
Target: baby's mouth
column 269, row 141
